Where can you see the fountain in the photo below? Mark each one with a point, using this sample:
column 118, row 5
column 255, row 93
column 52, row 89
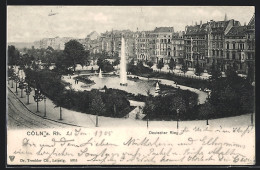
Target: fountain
column 123, row 76
column 100, row 74
column 157, row 88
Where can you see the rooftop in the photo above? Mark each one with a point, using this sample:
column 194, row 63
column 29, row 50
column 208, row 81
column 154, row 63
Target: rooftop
column 237, row 31
column 163, row 29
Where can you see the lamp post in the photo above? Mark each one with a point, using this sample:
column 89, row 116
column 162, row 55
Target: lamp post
column 44, row 98
column 28, row 92
column 147, row 124
column 38, row 97
column 12, row 78
column 178, row 111
column 96, row 120
column 60, row 114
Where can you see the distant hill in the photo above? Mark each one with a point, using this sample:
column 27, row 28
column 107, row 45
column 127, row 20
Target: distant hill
column 21, row 45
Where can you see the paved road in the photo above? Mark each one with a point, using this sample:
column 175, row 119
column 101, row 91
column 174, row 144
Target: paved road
column 19, row 117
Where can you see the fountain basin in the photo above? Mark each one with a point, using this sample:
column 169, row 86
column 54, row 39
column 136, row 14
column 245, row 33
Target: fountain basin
column 134, row 86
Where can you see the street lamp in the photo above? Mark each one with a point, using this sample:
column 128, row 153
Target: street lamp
column 147, row 121
column 44, row 98
column 38, row 97
column 28, row 92
column 178, row 111
column 60, row 114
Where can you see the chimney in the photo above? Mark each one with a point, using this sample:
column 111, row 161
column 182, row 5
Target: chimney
column 225, row 19
column 200, row 23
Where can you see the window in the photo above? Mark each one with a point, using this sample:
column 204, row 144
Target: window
column 227, row 45
column 227, row 55
column 249, row 56
column 233, row 56
column 234, row 46
column 213, row 52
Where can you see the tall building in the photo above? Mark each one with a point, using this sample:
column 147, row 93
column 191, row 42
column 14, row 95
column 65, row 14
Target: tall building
column 110, row 42
column 196, row 44
column 218, row 31
column 240, row 47
column 56, row 43
column 178, row 46
column 204, row 42
column 143, row 40
column 163, row 43
column 154, row 45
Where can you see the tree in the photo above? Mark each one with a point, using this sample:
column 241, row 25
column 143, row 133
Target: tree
column 105, row 65
column 100, row 62
column 206, row 111
column 160, row 65
column 84, row 60
column 116, row 103
column 251, row 73
column 149, row 106
column 198, row 69
column 74, row 53
column 116, row 62
column 149, row 63
column 132, row 62
column 231, row 73
column 13, row 55
column 172, row 64
column 178, row 103
column 140, row 65
column 215, row 71
column 97, row 106
column 184, row 67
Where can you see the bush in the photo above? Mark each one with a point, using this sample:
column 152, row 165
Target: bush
column 84, row 79
column 165, row 107
column 115, row 102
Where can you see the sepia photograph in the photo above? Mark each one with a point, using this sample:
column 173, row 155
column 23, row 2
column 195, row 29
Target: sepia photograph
column 130, row 85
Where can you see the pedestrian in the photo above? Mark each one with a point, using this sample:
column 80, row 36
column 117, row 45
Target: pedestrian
column 75, row 81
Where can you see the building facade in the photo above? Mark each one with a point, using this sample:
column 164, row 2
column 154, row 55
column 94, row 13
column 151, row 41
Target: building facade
column 205, row 43
column 240, row 47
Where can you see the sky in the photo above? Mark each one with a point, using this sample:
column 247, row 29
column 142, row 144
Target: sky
column 32, row 23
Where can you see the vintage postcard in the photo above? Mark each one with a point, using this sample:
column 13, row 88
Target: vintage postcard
column 130, row 85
